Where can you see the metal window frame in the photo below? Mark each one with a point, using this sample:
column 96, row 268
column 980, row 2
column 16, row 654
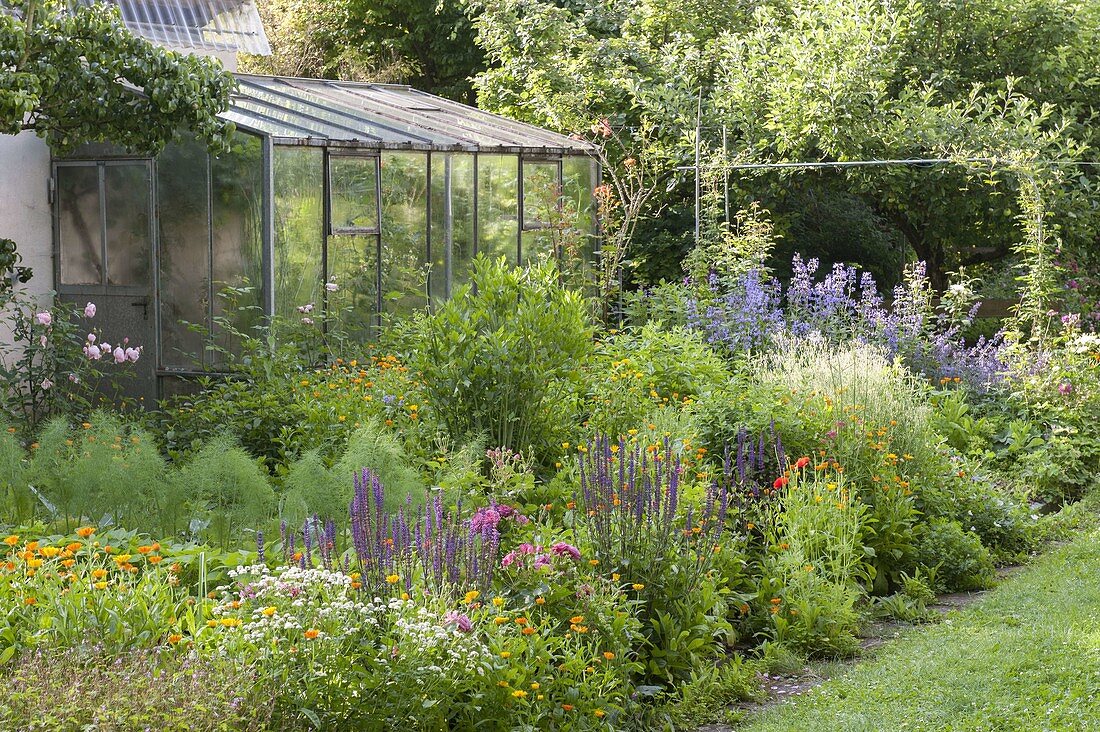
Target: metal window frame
column 351, row 154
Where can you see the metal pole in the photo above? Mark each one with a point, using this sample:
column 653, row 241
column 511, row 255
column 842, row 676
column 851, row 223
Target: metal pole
column 698, row 185
column 726, row 172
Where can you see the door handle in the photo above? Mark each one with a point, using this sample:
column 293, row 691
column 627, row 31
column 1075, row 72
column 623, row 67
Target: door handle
column 144, row 305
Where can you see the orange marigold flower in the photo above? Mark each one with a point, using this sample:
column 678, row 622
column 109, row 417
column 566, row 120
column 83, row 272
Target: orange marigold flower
column 175, row 638
column 11, row 540
column 312, row 633
column 85, row 531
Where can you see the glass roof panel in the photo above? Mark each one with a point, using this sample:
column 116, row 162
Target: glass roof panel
column 383, row 116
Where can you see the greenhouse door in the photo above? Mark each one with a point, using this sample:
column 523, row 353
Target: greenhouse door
column 103, row 231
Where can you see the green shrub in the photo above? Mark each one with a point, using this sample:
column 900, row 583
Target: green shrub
column 231, row 489
column 312, row 488
column 107, row 471
column 817, row 564
column 639, row 370
column 17, row 503
column 502, row 355
column 957, row 556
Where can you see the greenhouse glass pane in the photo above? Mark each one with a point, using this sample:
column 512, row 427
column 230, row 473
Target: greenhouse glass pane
column 353, row 193
column 237, row 235
column 404, row 231
column 497, row 206
column 184, row 253
column 353, row 267
column 299, row 228
column 127, row 190
column 579, row 210
column 452, row 222
column 79, row 223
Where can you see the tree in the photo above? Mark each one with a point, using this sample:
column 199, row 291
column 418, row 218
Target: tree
column 79, row 75
column 428, row 44
column 833, row 80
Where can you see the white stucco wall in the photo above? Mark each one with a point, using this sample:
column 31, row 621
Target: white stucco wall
column 25, row 206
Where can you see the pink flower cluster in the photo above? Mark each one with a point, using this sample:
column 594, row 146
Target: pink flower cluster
column 491, row 516
column 542, row 558
column 459, row 620
column 121, row 354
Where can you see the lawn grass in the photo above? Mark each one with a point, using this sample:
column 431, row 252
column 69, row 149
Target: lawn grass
column 1027, row 657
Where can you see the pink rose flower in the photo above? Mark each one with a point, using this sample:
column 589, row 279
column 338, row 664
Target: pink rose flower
column 92, row 352
column 459, row 620
column 133, row 354
column 119, row 354
column 509, row 559
column 561, row 549
column 89, row 310
column 46, row 383
column 44, row 318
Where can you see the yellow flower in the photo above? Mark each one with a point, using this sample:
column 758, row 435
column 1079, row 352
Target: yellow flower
column 519, row 694
column 99, row 573
column 608, row 655
column 231, row 622
column 34, row 563
column 11, row 540
column 535, row 685
column 100, row 585
column 393, row 579
column 576, row 619
column 175, row 638
column 500, row 620
column 269, row 611
column 498, row 601
column 540, row 600
column 599, row 713
column 471, row 596
column 638, row 586
column 85, row 531
column 505, row 654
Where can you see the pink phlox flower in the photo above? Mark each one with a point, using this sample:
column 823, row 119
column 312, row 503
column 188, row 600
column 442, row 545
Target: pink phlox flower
column 543, row 560
column 307, row 321
column 526, row 548
column 484, row 518
column 509, row 559
column 305, row 309
column 561, row 549
column 459, row 620
column 332, row 286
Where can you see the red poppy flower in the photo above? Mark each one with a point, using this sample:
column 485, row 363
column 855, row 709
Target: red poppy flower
column 802, row 462
column 780, row 482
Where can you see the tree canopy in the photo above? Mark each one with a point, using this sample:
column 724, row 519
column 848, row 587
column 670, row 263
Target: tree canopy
column 833, row 80
column 428, row 44
column 79, row 75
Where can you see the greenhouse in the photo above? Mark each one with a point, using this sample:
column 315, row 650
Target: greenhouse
column 355, row 200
